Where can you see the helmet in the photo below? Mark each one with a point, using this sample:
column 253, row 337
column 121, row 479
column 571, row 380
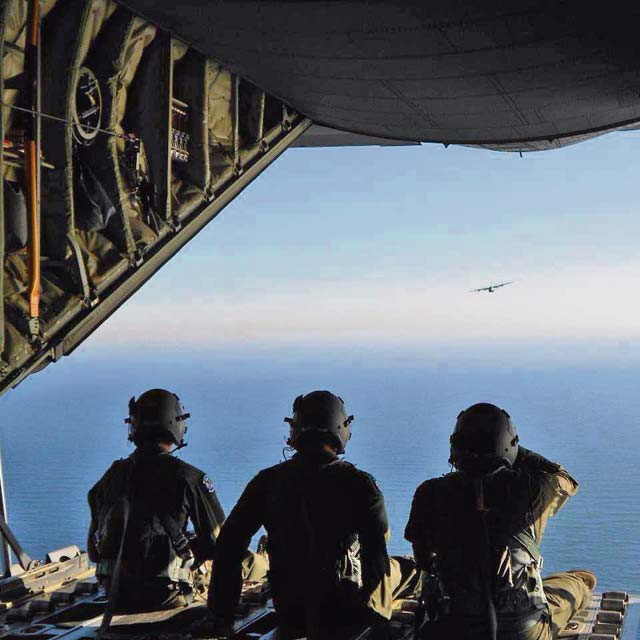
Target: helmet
column 157, row 413
column 321, row 413
column 484, row 438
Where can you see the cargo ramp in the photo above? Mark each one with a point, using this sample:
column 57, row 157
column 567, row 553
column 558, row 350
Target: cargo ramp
column 62, row 599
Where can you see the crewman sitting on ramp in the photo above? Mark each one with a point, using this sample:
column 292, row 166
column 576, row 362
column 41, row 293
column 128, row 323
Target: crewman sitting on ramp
column 477, row 531
column 140, row 510
column 327, row 530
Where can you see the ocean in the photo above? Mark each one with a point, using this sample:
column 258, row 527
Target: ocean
column 63, row 427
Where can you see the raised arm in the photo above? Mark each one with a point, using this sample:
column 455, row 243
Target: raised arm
column 554, row 486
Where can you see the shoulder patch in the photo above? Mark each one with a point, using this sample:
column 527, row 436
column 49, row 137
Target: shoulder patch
column 208, row 485
column 370, row 480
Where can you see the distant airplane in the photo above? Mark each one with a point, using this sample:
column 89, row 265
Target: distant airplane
column 492, row 288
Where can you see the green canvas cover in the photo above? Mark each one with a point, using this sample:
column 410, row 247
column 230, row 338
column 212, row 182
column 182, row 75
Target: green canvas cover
column 114, row 58
column 67, row 34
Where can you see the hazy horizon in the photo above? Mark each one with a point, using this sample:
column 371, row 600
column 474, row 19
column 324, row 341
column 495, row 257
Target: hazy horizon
column 377, row 248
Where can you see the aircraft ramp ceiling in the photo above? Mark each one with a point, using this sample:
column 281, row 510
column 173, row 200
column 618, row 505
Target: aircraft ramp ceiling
column 507, row 74
column 127, row 126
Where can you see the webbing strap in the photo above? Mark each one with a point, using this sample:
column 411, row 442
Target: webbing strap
column 179, row 541
column 81, row 268
column 485, row 564
column 117, row 568
column 528, row 542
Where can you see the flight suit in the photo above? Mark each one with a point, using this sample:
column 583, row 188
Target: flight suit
column 152, row 495
column 462, row 531
column 327, row 528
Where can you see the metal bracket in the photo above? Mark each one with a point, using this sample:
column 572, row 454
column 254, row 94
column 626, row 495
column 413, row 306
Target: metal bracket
column 57, row 351
column 174, row 224
column 23, row 557
column 34, row 329
column 136, row 259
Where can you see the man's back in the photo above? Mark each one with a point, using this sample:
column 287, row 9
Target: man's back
column 323, row 518
column 472, row 533
column 478, row 530
column 322, row 512
column 151, row 494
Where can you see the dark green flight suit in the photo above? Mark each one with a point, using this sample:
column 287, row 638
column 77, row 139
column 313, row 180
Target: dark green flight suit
column 327, row 528
column 163, row 494
column 446, row 523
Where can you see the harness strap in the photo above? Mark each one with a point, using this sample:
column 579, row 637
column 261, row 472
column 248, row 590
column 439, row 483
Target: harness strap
column 529, row 543
column 117, row 568
column 485, row 565
column 179, row 541
column 311, row 613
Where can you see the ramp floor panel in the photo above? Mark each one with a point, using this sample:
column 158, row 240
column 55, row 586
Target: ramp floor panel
column 606, row 618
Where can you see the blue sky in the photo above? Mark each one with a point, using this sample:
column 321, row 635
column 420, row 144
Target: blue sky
column 381, row 245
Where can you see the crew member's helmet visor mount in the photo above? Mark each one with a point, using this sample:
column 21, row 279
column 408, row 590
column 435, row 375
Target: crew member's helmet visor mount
column 484, row 439
column 319, row 415
column 156, row 415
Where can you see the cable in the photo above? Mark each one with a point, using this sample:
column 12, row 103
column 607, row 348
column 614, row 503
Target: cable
column 48, row 116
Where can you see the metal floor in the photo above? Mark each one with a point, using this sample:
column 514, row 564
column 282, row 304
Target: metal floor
column 61, row 599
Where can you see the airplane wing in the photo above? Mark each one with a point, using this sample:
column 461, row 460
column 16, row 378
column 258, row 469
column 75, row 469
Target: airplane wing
column 481, row 289
column 502, row 284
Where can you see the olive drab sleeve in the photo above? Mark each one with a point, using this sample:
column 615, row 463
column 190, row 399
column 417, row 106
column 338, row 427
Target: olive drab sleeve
column 556, row 487
column 373, row 532
column 207, row 516
column 243, row 522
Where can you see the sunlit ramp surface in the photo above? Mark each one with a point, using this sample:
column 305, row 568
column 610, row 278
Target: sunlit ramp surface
column 61, row 599
column 120, row 144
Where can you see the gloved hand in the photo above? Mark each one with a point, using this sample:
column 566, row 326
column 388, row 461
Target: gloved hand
column 528, row 460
